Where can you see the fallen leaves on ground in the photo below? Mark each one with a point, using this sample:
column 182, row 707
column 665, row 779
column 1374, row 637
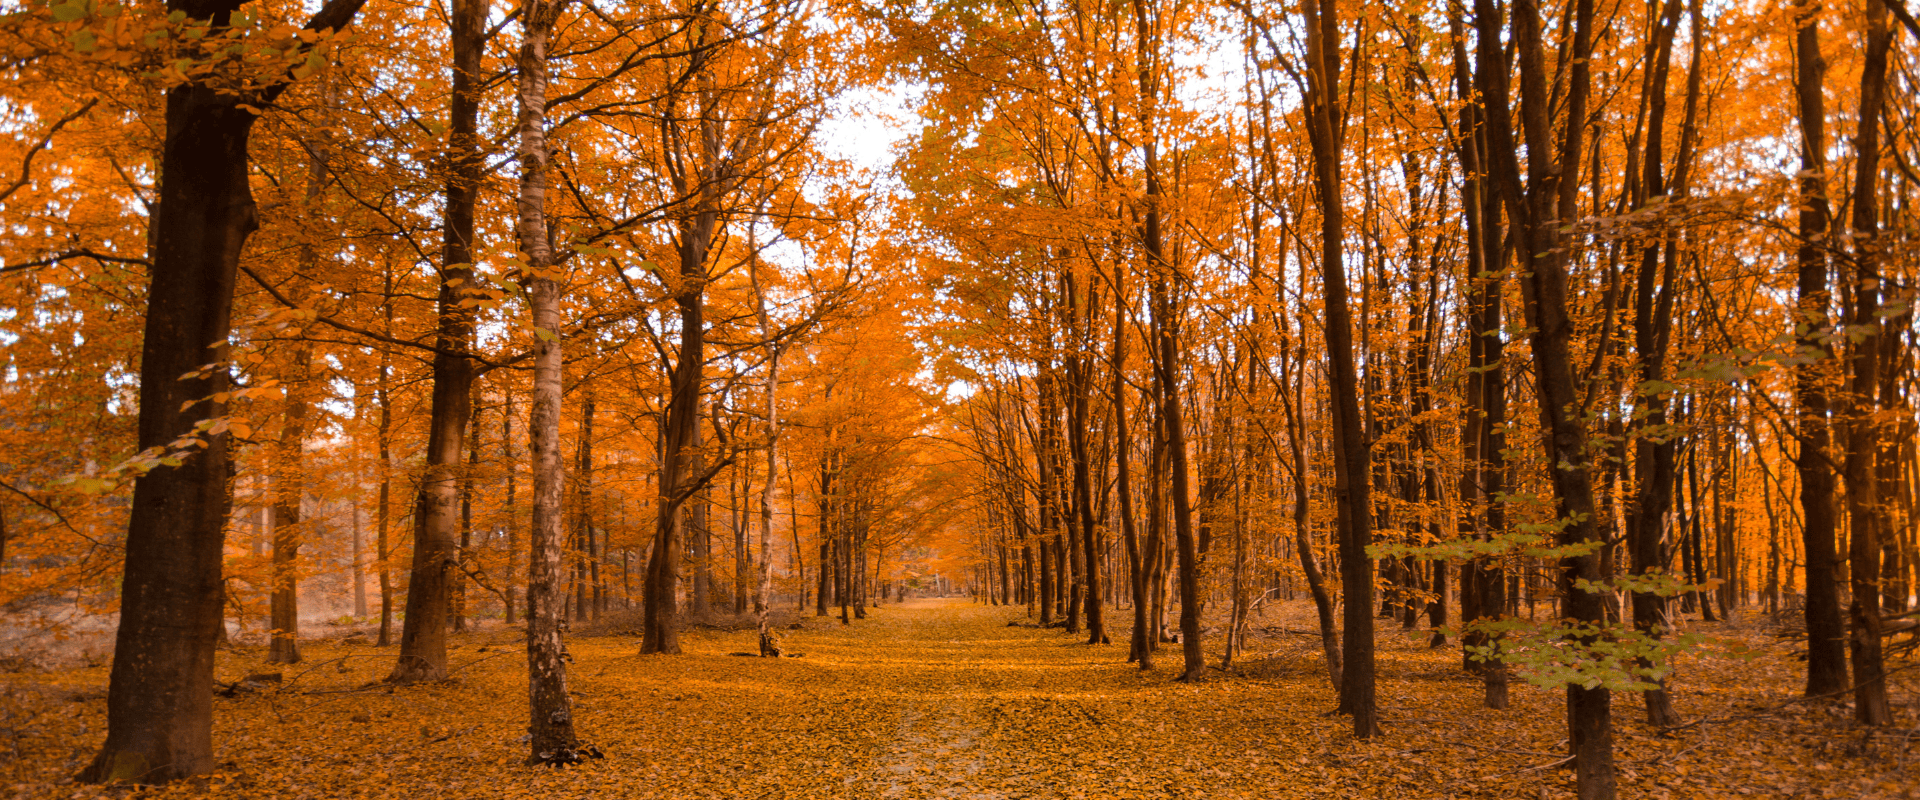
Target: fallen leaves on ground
column 942, row 699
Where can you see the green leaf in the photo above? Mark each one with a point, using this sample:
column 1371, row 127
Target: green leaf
column 69, row 11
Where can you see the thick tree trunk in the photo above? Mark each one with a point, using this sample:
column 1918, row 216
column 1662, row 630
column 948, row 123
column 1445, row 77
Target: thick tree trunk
column 423, row 636
column 159, row 709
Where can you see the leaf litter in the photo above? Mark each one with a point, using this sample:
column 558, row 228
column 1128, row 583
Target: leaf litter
column 941, row 698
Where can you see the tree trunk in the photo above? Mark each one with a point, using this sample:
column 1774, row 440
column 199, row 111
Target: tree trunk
column 1826, row 632
column 763, row 600
column 423, row 635
column 289, row 488
column 1537, row 209
column 1866, row 516
column 1350, row 449
column 584, row 579
column 1652, row 329
column 550, row 710
column 1139, row 648
column 159, row 709
column 383, row 526
column 359, row 558
column 1483, row 437
column 457, row 612
column 510, row 512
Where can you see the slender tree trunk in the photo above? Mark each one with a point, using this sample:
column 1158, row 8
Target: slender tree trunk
column 1538, row 210
column 289, row 484
column 552, row 740
column 382, row 527
column 1350, row 451
column 359, row 559
column 510, row 511
column 1089, row 572
column 585, row 577
column 1866, row 516
column 1482, row 580
column 1302, row 525
column 1652, row 324
column 681, row 466
column 763, row 601
column 1166, row 330
column 742, row 556
column 1139, row 647
column 457, row 608
column 1826, row 632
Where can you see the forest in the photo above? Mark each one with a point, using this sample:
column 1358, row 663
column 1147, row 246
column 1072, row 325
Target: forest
column 959, row 398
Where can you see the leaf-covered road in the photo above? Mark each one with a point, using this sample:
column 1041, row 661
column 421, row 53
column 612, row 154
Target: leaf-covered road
column 942, row 699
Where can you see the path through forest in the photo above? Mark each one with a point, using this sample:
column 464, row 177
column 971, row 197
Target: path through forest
column 942, row 698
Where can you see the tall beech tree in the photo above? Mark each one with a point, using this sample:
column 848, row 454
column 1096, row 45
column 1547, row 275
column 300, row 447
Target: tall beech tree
column 552, row 737
column 1539, row 206
column 1826, row 633
column 1866, row 516
column 1326, row 126
column 436, row 516
column 159, row 711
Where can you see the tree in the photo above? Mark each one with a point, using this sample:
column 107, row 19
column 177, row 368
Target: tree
column 159, row 712
column 553, row 739
column 1826, row 634
column 430, row 589
column 1326, row 128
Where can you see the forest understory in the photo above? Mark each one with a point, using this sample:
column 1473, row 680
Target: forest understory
column 944, row 698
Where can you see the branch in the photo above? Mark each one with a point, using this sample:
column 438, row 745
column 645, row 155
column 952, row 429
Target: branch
column 26, row 161
column 1899, row 9
column 80, row 252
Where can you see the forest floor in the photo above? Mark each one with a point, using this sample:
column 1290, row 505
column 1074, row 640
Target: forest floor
column 942, row 698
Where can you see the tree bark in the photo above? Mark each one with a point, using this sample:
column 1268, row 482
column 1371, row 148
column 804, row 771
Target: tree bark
column 763, row 601
column 510, row 586
column 383, row 526
column 1826, row 632
column 1866, row 516
column 289, row 488
column 159, row 709
column 1350, row 450
column 1652, row 326
column 436, row 556
column 550, row 709
column 1538, row 209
